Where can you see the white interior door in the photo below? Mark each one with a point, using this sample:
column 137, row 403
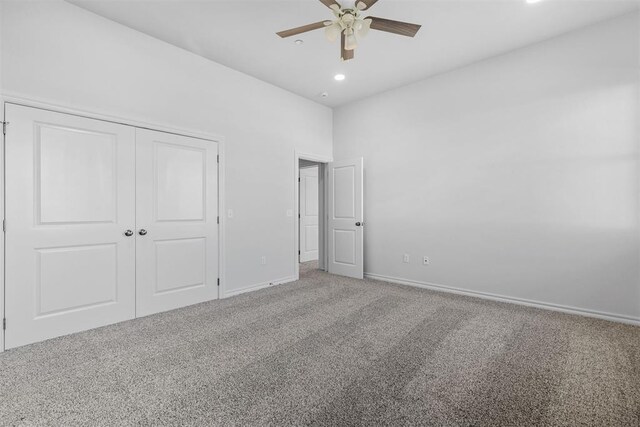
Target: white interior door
column 69, row 201
column 309, row 214
column 346, row 218
column 176, row 217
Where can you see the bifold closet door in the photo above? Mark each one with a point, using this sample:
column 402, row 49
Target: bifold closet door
column 176, row 217
column 70, row 199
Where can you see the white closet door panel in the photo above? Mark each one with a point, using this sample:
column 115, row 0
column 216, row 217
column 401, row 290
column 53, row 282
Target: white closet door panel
column 177, row 207
column 70, row 197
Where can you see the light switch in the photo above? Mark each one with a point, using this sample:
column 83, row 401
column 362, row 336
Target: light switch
column 230, row 213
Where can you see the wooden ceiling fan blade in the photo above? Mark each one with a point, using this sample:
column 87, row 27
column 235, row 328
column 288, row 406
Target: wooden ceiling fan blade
column 344, row 53
column 303, row 29
column 395, row 27
column 330, row 4
column 365, row 4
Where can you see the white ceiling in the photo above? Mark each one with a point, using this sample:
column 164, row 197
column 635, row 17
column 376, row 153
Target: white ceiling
column 241, row 34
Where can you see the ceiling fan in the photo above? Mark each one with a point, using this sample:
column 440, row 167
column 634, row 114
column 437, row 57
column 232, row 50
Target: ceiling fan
column 350, row 26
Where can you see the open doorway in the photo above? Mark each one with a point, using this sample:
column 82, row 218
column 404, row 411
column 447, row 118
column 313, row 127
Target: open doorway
column 311, row 215
column 340, row 234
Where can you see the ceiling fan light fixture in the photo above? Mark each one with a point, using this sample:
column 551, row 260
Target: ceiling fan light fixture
column 349, row 25
column 350, row 41
column 348, row 20
column 363, row 27
column 332, row 32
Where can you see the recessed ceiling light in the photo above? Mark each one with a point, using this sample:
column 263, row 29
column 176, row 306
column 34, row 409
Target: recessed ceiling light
column 339, row 77
column 324, row 94
column 533, row 1
column 299, row 42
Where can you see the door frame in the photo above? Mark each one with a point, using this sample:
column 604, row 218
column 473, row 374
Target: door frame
column 322, row 208
column 107, row 117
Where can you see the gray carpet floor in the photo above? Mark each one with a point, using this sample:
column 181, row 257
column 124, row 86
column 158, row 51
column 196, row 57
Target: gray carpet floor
column 332, row 351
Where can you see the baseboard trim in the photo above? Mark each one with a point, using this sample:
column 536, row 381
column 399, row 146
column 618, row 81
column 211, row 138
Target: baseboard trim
column 258, row 286
column 520, row 301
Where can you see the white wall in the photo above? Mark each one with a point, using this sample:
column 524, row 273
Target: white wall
column 517, row 176
column 59, row 53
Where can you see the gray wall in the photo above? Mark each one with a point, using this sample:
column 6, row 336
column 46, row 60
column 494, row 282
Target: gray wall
column 518, row 176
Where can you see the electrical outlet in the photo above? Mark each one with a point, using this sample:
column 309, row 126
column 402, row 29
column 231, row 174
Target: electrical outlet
column 426, row 261
column 405, row 258
column 289, row 212
column 263, row 261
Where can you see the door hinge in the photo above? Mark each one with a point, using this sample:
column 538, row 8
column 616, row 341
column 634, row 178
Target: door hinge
column 4, row 127
column 218, row 158
column 4, row 324
column 298, row 179
column 218, row 281
column 298, row 252
column 299, row 216
column 218, row 220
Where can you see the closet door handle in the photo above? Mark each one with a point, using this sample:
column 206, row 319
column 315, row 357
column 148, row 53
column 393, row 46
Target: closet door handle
column 128, row 233
column 142, row 232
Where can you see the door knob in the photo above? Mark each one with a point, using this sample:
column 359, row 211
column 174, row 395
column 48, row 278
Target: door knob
column 128, row 233
column 358, row 224
column 142, row 232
